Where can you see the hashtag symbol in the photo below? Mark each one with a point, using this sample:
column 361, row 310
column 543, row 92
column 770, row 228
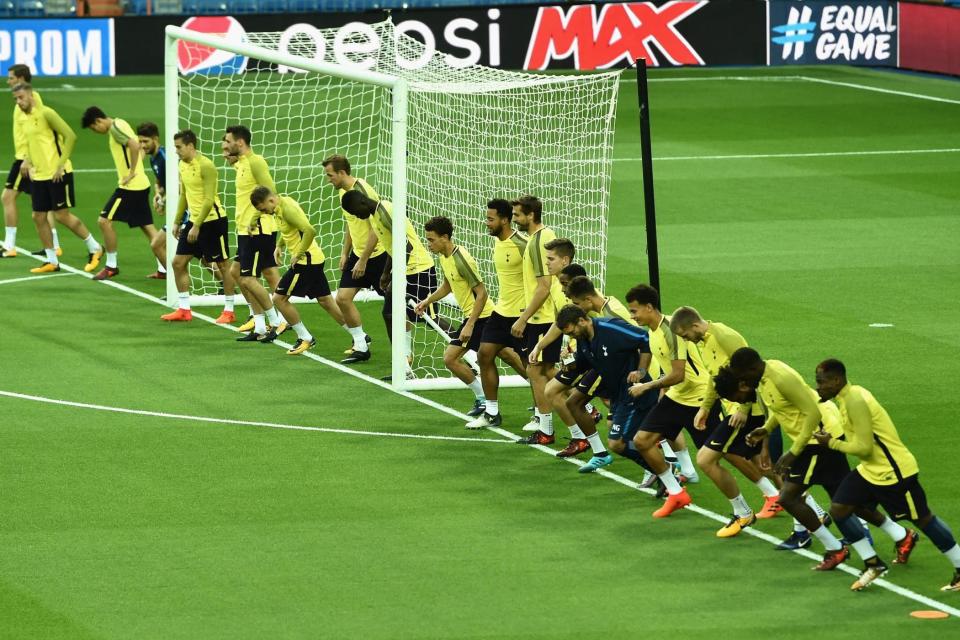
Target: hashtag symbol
column 796, row 32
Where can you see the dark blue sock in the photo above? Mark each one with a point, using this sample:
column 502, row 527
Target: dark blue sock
column 851, row 528
column 632, row 454
column 940, row 533
column 775, row 445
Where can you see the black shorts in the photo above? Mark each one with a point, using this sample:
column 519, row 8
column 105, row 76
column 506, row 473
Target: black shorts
column 305, row 281
column 132, row 207
column 668, row 418
column 903, row 500
column 531, row 336
column 15, row 180
column 571, row 374
column 474, row 344
column 255, row 253
column 48, row 195
column 820, row 465
column 212, row 243
column 497, row 331
column 419, row 286
column 371, row 277
column 727, row 439
column 591, row 385
column 626, row 418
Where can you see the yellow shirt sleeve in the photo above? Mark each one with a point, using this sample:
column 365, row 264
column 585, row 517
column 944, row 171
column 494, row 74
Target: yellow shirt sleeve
column 59, row 126
column 860, row 424
column 798, row 393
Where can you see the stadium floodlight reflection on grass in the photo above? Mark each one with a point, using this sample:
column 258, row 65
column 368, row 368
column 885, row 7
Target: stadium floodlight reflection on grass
column 435, row 140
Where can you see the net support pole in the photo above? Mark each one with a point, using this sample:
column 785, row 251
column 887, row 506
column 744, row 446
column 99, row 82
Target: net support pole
column 646, row 157
column 171, row 106
column 398, row 283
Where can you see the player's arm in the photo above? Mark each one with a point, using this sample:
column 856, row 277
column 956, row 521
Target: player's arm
column 540, row 295
column 298, row 219
column 20, row 145
column 347, row 245
column 640, row 342
column 261, row 174
column 858, row 413
column 69, row 139
column 181, row 210
column 133, row 146
column 441, row 292
column 208, row 173
column 552, row 335
column 797, row 393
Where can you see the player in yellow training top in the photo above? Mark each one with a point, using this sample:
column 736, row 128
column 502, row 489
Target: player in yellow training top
column 508, row 247
column 256, row 237
column 361, row 260
column 50, row 142
column 541, row 294
column 306, row 276
column 130, row 201
column 421, row 275
column 18, row 182
column 888, row 475
column 204, row 234
column 462, row 278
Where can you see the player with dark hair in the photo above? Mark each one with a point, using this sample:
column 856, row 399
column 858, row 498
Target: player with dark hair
column 130, row 201
column 256, row 238
column 204, row 234
column 684, row 379
column 462, row 278
column 421, row 275
column 361, row 259
column 508, row 248
column 50, row 142
column 888, row 475
column 148, row 133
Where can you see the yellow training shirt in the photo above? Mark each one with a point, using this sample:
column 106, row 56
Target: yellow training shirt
column 358, row 228
column 535, row 266
column 508, row 261
column 252, row 172
column 718, row 344
column 198, row 184
column 460, row 271
column 793, row 405
column 19, row 138
column 872, row 437
column 667, row 347
column 382, row 223
column 117, row 138
column 293, row 224
column 44, row 131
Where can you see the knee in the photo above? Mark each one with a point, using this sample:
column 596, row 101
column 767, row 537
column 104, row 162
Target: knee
column 39, row 217
column 642, row 441
column 103, row 222
column 449, row 359
column 486, row 356
column 706, row 458
column 9, row 197
column 617, row 446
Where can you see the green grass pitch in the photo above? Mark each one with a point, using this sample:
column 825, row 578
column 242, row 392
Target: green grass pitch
column 800, row 210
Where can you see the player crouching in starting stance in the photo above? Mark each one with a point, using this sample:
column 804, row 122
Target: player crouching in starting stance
column 305, row 277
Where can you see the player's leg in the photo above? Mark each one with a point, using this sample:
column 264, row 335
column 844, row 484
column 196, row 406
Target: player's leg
column 793, row 501
column 46, row 241
column 708, row 459
column 490, row 347
column 539, row 374
column 575, row 402
column 661, row 422
column 152, row 234
column 346, row 292
column 158, row 245
column 936, row 529
column 72, row 222
column 272, row 277
column 10, row 219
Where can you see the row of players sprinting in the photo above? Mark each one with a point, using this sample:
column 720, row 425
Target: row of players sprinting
column 693, row 361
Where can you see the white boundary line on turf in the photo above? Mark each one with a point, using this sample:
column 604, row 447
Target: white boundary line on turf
column 885, row 584
column 40, row 277
column 867, row 87
column 246, row 423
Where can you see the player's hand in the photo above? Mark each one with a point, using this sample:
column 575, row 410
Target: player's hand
column 175, row 230
column 25, row 168
column 343, row 263
column 822, row 437
column 158, row 203
column 756, row 436
column 465, row 334
column 636, row 376
column 637, row 390
column 277, row 255
column 420, row 308
column 784, row 463
column 763, row 459
column 737, row 420
column 295, row 258
column 700, row 420
column 517, row 329
column 193, row 235
column 534, row 356
column 125, row 180
column 385, row 282
column 58, row 175
column 359, row 269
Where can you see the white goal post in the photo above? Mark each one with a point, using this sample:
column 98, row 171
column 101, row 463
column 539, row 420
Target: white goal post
column 444, row 140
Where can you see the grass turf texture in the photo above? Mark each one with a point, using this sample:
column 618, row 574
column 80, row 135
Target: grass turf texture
column 122, row 526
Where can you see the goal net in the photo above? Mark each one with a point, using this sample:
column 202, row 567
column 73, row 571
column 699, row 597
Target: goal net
column 471, row 134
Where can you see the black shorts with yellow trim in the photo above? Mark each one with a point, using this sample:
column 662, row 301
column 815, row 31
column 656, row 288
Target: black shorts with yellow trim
column 304, row 281
column 497, row 331
column 255, row 253
column 474, row 343
column 902, row 500
column 371, row 276
column 727, row 439
column 130, row 206
column 47, row 195
column 571, row 374
column 591, row 384
column 16, row 181
column 668, row 418
column 820, row 465
column 419, row 286
column 212, row 243
column 531, row 336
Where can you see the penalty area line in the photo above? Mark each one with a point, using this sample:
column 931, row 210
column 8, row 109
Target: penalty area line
column 512, row 437
column 244, row 423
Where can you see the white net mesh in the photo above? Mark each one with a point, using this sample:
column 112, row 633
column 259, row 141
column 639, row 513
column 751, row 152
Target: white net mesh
column 474, row 134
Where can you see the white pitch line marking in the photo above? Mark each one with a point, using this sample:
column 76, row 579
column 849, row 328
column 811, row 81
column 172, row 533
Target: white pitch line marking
column 245, row 423
column 39, row 277
column 880, row 325
column 866, row 87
